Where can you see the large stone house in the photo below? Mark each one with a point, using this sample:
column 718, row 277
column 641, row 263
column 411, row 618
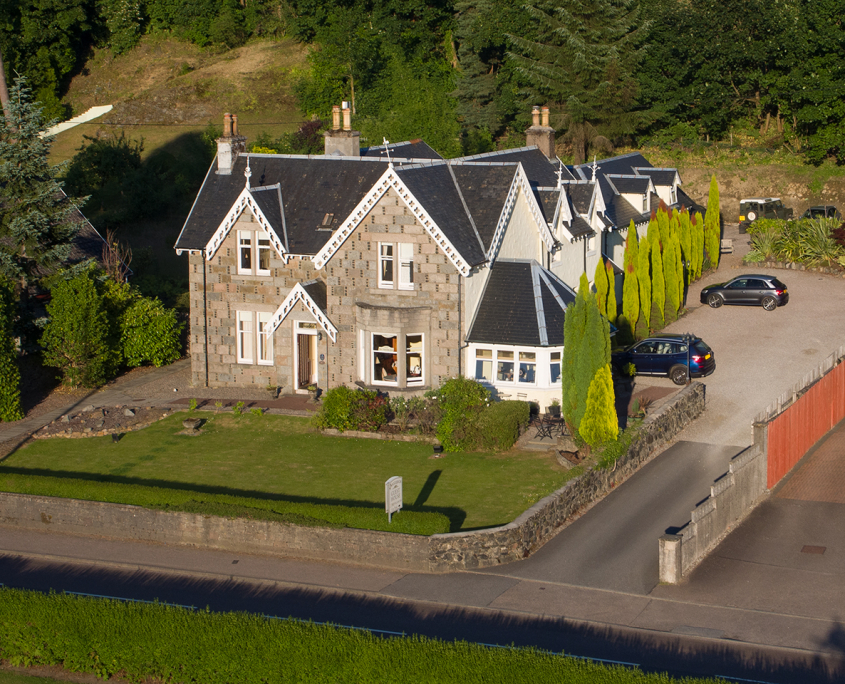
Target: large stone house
column 394, row 269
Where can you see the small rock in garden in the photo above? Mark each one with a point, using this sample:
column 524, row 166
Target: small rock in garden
column 129, row 413
column 88, row 409
column 100, row 424
column 87, row 430
column 65, row 419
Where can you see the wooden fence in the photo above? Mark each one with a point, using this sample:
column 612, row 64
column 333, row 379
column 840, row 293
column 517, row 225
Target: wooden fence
column 804, row 415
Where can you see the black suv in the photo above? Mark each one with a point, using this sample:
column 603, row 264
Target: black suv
column 751, row 289
column 826, row 211
column 678, row 356
column 753, row 208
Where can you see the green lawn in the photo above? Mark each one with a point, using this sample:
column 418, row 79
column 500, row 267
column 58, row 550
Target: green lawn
column 280, row 463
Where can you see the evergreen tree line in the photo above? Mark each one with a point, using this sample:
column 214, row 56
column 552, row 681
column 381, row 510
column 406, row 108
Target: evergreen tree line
column 95, row 324
column 463, row 73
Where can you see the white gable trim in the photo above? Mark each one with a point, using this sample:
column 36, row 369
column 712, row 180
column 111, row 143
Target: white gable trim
column 390, row 179
column 299, row 294
column 245, row 199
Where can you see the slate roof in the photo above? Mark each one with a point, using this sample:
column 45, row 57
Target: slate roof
column 624, row 164
column 410, row 149
column 658, row 176
column 685, row 200
column 580, row 228
column 437, row 191
column 311, row 187
column 632, row 185
column 485, row 189
column 620, row 212
column 316, row 289
column 540, row 171
column 269, row 200
column 521, row 304
column 580, row 194
column 547, row 199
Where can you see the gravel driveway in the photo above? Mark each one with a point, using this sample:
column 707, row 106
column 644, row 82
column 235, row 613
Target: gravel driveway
column 759, row 354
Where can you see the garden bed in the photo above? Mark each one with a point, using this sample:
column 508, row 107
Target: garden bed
column 98, row 422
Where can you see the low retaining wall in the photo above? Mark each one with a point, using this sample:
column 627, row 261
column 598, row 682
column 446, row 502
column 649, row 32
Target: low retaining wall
column 749, row 476
column 438, row 553
column 731, row 498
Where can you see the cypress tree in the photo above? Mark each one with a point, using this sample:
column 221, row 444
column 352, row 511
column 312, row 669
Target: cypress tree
column 630, row 284
column 611, row 293
column 600, row 424
column 699, row 249
column 670, row 279
column 686, row 242
column 10, row 375
column 574, row 325
column 658, row 285
column 712, row 223
column 593, row 354
column 601, row 285
column 679, row 266
column 663, row 224
column 644, row 278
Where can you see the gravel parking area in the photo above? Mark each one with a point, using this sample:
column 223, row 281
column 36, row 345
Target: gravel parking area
column 759, row 354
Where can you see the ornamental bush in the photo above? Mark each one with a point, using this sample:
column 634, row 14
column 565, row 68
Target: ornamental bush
column 149, row 333
column 76, row 338
column 352, row 409
column 500, row 424
column 461, row 400
column 600, row 424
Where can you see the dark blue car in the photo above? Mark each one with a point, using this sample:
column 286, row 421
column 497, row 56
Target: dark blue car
column 676, row 356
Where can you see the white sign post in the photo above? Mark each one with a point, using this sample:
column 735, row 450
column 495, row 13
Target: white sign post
column 392, row 496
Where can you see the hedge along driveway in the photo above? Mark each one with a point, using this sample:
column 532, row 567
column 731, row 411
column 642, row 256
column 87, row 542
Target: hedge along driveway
column 282, row 458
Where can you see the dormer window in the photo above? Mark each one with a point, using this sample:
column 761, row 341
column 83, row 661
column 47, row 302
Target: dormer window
column 645, row 203
column 674, row 195
column 253, row 252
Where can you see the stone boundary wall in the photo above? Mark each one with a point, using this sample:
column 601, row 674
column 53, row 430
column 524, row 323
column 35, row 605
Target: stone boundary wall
column 795, row 266
column 734, row 494
column 438, row 553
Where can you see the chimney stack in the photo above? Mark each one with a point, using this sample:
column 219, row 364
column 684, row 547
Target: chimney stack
column 541, row 136
column 230, row 145
column 342, row 142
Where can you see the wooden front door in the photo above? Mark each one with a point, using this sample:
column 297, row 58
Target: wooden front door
column 305, row 362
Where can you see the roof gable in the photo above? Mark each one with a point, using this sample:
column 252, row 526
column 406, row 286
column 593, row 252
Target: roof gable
column 313, row 296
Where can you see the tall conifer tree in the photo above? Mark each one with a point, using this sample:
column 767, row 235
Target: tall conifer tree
column 699, row 237
column 601, row 423
column 593, row 354
column 601, row 285
column 658, row 284
column 712, row 223
column 686, row 243
column 611, row 293
column 10, row 376
column 574, row 325
column 670, row 278
column 644, row 277
column 36, row 218
column 630, row 284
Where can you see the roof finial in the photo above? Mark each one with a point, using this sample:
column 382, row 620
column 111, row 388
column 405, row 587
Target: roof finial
column 594, row 167
column 387, row 151
column 248, row 172
column 559, row 174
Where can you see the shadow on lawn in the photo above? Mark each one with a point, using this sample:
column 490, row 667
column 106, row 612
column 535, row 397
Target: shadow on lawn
column 455, row 515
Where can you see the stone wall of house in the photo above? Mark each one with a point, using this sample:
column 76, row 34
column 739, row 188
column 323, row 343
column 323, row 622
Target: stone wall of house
column 438, row 553
column 229, row 292
column 356, row 303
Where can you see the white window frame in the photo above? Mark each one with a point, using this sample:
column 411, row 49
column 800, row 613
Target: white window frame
column 411, row 382
column 245, row 335
column 252, row 337
column 401, row 258
column 542, row 365
column 394, row 352
column 257, row 242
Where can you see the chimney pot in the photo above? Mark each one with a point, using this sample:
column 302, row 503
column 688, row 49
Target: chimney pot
column 535, row 116
column 234, row 124
column 336, row 118
column 227, row 125
column 545, row 113
column 347, row 118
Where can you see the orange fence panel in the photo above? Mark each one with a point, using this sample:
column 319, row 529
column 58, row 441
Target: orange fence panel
column 794, row 432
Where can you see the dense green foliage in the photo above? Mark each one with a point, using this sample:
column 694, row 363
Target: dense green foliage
column 144, row 641
column 501, row 423
column 630, row 285
column 343, row 409
column 612, row 305
column 658, row 279
column 601, row 285
column 96, row 326
column 461, row 400
column 36, row 221
column 713, row 224
column 10, row 375
column 600, row 424
column 574, row 326
column 76, row 338
column 813, row 242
